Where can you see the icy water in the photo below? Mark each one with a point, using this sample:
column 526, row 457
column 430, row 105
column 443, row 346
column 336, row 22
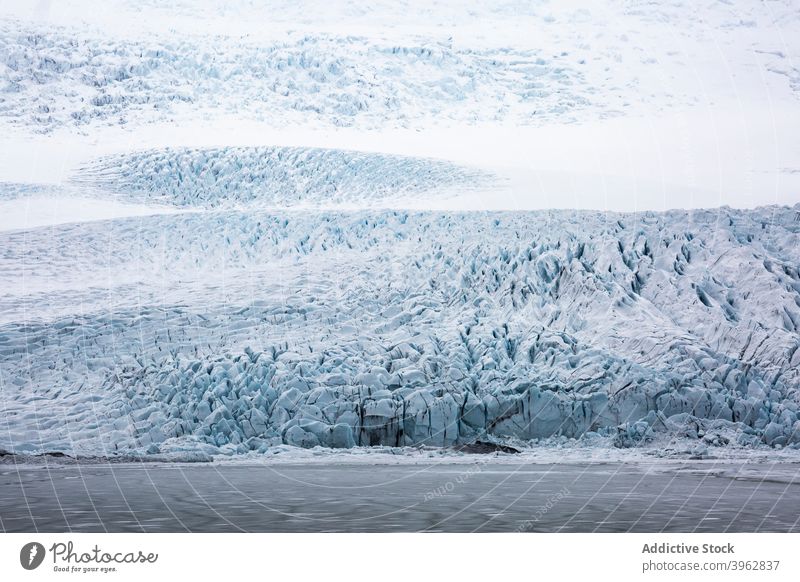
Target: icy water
column 483, row 496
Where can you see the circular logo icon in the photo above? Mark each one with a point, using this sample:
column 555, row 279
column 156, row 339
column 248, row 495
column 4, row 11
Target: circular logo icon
column 31, row 555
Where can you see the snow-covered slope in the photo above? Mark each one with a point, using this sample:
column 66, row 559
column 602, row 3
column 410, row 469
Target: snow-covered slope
column 238, row 331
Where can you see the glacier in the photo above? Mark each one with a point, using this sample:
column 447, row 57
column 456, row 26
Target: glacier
column 72, row 67
column 228, row 177
column 65, row 78
column 235, row 232
column 227, row 331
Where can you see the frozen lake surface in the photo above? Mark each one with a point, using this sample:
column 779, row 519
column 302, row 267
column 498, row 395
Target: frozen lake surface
column 482, row 496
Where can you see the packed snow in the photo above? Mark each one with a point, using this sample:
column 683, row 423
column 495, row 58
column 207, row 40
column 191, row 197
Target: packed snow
column 234, row 232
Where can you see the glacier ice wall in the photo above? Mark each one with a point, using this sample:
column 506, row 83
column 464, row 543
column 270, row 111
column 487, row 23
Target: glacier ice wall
column 235, row 331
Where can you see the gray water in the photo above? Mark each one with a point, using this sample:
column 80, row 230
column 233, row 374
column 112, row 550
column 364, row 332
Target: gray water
column 484, row 497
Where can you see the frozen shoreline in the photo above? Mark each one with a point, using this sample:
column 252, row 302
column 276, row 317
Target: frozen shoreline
column 533, row 455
